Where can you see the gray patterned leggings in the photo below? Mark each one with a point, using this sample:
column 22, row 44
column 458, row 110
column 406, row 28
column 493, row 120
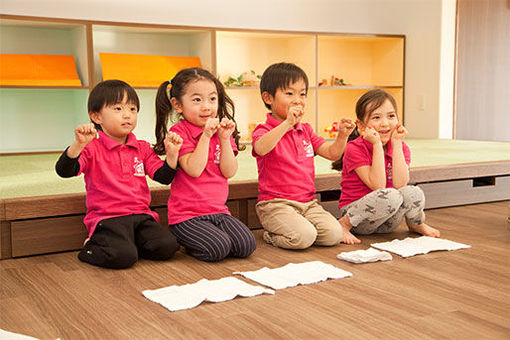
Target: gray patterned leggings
column 382, row 210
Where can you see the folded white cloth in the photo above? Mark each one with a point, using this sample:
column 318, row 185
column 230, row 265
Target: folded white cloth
column 420, row 245
column 175, row 298
column 293, row 274
column 365, row 255
column 14, row 336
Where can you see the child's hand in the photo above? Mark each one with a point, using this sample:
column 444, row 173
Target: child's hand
column 226, row 128
column 371, row 135
column 84, row 134
column 294, row 114
column 399, row 133
column 173, row 143
column 345, row 127
column 211, row 126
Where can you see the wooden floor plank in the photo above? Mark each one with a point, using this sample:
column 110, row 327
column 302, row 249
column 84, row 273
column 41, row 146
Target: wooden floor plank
column 442, row 295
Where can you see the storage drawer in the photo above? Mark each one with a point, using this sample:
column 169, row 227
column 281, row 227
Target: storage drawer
column 47, row 235
column 469, row 191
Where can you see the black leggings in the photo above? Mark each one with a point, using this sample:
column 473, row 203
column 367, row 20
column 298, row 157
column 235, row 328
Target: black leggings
column 214, row 237
column 118, row 242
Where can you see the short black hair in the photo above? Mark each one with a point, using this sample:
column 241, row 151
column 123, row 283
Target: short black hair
column 279, row 76
column 111, row 92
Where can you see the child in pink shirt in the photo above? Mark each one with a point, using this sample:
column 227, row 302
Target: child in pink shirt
column 284, row 148
column 375, row 196
column 120, row 223
column 197, row 213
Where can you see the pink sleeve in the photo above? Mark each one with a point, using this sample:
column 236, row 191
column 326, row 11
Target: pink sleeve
column 151, row 161
column 355, row 156
column 259, row 131
column 188, row 142
column 407, row 153
column 316, row 140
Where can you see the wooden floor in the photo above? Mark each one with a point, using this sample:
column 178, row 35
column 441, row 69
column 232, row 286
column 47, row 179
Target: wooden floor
column 462, row 294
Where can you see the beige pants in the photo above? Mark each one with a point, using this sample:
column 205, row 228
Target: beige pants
column 295, row 225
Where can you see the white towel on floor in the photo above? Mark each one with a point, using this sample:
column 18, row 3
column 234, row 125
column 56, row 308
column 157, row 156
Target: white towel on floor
column 420, row 245
column 6, row 335
column 293, row 274
column 176, row 298
column 365, row 255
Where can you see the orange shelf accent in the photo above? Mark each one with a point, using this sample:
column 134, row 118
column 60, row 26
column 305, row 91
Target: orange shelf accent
column 140, row 70
column 38, row 70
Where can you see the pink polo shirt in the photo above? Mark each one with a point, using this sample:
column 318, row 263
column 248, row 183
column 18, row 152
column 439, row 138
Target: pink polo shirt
column 115, row 178
column 197, row 196
column 358, row 153
column 288, row 170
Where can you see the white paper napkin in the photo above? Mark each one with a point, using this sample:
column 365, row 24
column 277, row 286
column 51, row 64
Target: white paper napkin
column 293, row 274
column 365, row 255
column 176, row 298
column 420, row 245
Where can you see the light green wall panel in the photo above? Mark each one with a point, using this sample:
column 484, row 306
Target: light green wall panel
column 33, row 120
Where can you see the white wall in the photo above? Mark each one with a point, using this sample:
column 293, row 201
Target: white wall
column 419, row 20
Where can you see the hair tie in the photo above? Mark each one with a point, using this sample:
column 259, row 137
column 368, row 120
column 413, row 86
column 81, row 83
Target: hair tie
column 169, row 89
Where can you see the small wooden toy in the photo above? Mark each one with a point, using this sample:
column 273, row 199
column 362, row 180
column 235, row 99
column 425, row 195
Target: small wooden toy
column 332, row 130
column 337, row 81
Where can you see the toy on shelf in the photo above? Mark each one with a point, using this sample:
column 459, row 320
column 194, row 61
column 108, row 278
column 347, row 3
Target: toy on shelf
column 334, row 81
column 245, row 79
column 332, row 130
column 337, row 81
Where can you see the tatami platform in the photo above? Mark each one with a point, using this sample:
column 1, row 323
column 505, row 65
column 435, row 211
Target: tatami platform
column 462, row 294
column 42, row 213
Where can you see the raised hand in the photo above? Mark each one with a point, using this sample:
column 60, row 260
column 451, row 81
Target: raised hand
column 371, row 135
column 211, row 126
column 294, row 114
column 84, row 134
column 345, row 127
column 173, row 143
column 399, row 133
column 226, row 128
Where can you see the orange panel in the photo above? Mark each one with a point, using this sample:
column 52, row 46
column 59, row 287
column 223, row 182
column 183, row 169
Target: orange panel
column 38, row 70
column 143, row 70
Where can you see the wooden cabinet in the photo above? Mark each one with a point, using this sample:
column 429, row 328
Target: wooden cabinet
column 42, row 118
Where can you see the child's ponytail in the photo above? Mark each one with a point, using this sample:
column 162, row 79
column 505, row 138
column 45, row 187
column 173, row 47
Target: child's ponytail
column 163, row 110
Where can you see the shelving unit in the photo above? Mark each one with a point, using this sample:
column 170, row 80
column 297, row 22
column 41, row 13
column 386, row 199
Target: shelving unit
column 38, row 118
column 364, row 62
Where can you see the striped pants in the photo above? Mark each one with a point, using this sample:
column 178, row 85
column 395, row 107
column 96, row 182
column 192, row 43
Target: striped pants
column 214, row 237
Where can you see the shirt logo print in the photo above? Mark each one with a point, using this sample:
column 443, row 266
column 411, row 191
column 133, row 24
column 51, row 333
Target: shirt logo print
column 308, row 148
column 139, row 170
column 217, row 154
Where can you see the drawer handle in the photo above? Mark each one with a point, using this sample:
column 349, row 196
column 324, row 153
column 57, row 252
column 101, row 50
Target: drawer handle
column 484, row 181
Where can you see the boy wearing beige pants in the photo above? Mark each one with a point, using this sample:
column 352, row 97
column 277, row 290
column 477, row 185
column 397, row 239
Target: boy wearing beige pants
column 284, row 148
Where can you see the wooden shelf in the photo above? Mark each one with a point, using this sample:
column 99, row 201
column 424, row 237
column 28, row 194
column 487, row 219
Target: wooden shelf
column 365, row 62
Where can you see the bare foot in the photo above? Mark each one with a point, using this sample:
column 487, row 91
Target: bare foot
column 424, row 229
column 348, row 237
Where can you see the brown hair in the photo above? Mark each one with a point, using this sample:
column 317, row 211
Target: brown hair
column 179, row 84
column 367, row 104
column 279, row 76
column 111, row 92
